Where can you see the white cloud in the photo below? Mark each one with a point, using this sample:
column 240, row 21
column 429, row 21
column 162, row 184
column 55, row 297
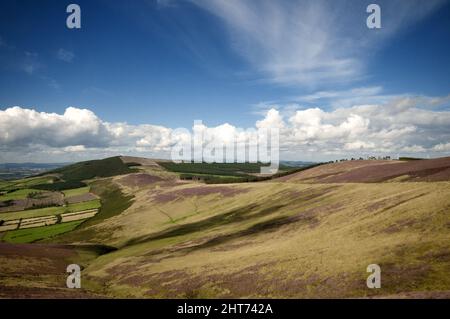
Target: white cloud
column 272, row 119
column 311, row 41
column 403, row 125
column 413, row 149
column 345, row 98
column 74, row 148
column 442, row 147
column 19, row 126
column 358, row 145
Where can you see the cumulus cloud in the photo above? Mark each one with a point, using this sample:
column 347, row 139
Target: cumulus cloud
column 311, row 41
column 396, row 127
column 21, row 127
column 403, row 125
column 26, row 131
column 442, row 147
column 74, row 148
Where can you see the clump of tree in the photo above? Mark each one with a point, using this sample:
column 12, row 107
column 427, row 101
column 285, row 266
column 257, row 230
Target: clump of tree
column 409, row 159
column 35, row 195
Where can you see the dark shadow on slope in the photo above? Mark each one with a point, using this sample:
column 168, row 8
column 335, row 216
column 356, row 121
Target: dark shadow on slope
column 301, row 219
column 266, row 226
column 246, row 213
column 233, row 216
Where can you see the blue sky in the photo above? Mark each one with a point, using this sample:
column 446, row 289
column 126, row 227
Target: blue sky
column 170, row 62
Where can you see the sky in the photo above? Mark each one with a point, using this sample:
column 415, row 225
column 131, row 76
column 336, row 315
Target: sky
column 138, row 70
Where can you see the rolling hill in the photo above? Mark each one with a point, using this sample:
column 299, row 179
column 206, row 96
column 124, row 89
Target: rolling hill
column 310, row 234
column 74, row 175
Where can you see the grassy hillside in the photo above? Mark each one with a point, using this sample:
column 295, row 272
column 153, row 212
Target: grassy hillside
column 72, row 176
column 430, row 170
column 98, row 168
column 300, row 236
column 39, row 270
column 279, row 239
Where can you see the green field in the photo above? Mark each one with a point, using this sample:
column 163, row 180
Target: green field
column 84, row 206
column 30, row 235
column 32, row 213
column 76, row 191
column 18, row 194
column 25, row 183
column 51, row 210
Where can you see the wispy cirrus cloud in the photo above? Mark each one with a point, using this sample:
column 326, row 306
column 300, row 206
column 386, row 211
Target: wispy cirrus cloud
column 311, row 42
column 31, row 63
column 65, row 55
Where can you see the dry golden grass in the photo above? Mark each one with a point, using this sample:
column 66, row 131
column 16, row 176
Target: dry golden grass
column 272, row 239
column 279, row 239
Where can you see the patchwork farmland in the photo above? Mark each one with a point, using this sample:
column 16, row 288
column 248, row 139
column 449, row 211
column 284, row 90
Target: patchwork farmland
column 18, row 213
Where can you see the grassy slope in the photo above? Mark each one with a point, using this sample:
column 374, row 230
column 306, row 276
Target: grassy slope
column 76, row 191
column 73, row 175
column 271, row 239
column 39, row 271
column 98, row 168
column 279, row 239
